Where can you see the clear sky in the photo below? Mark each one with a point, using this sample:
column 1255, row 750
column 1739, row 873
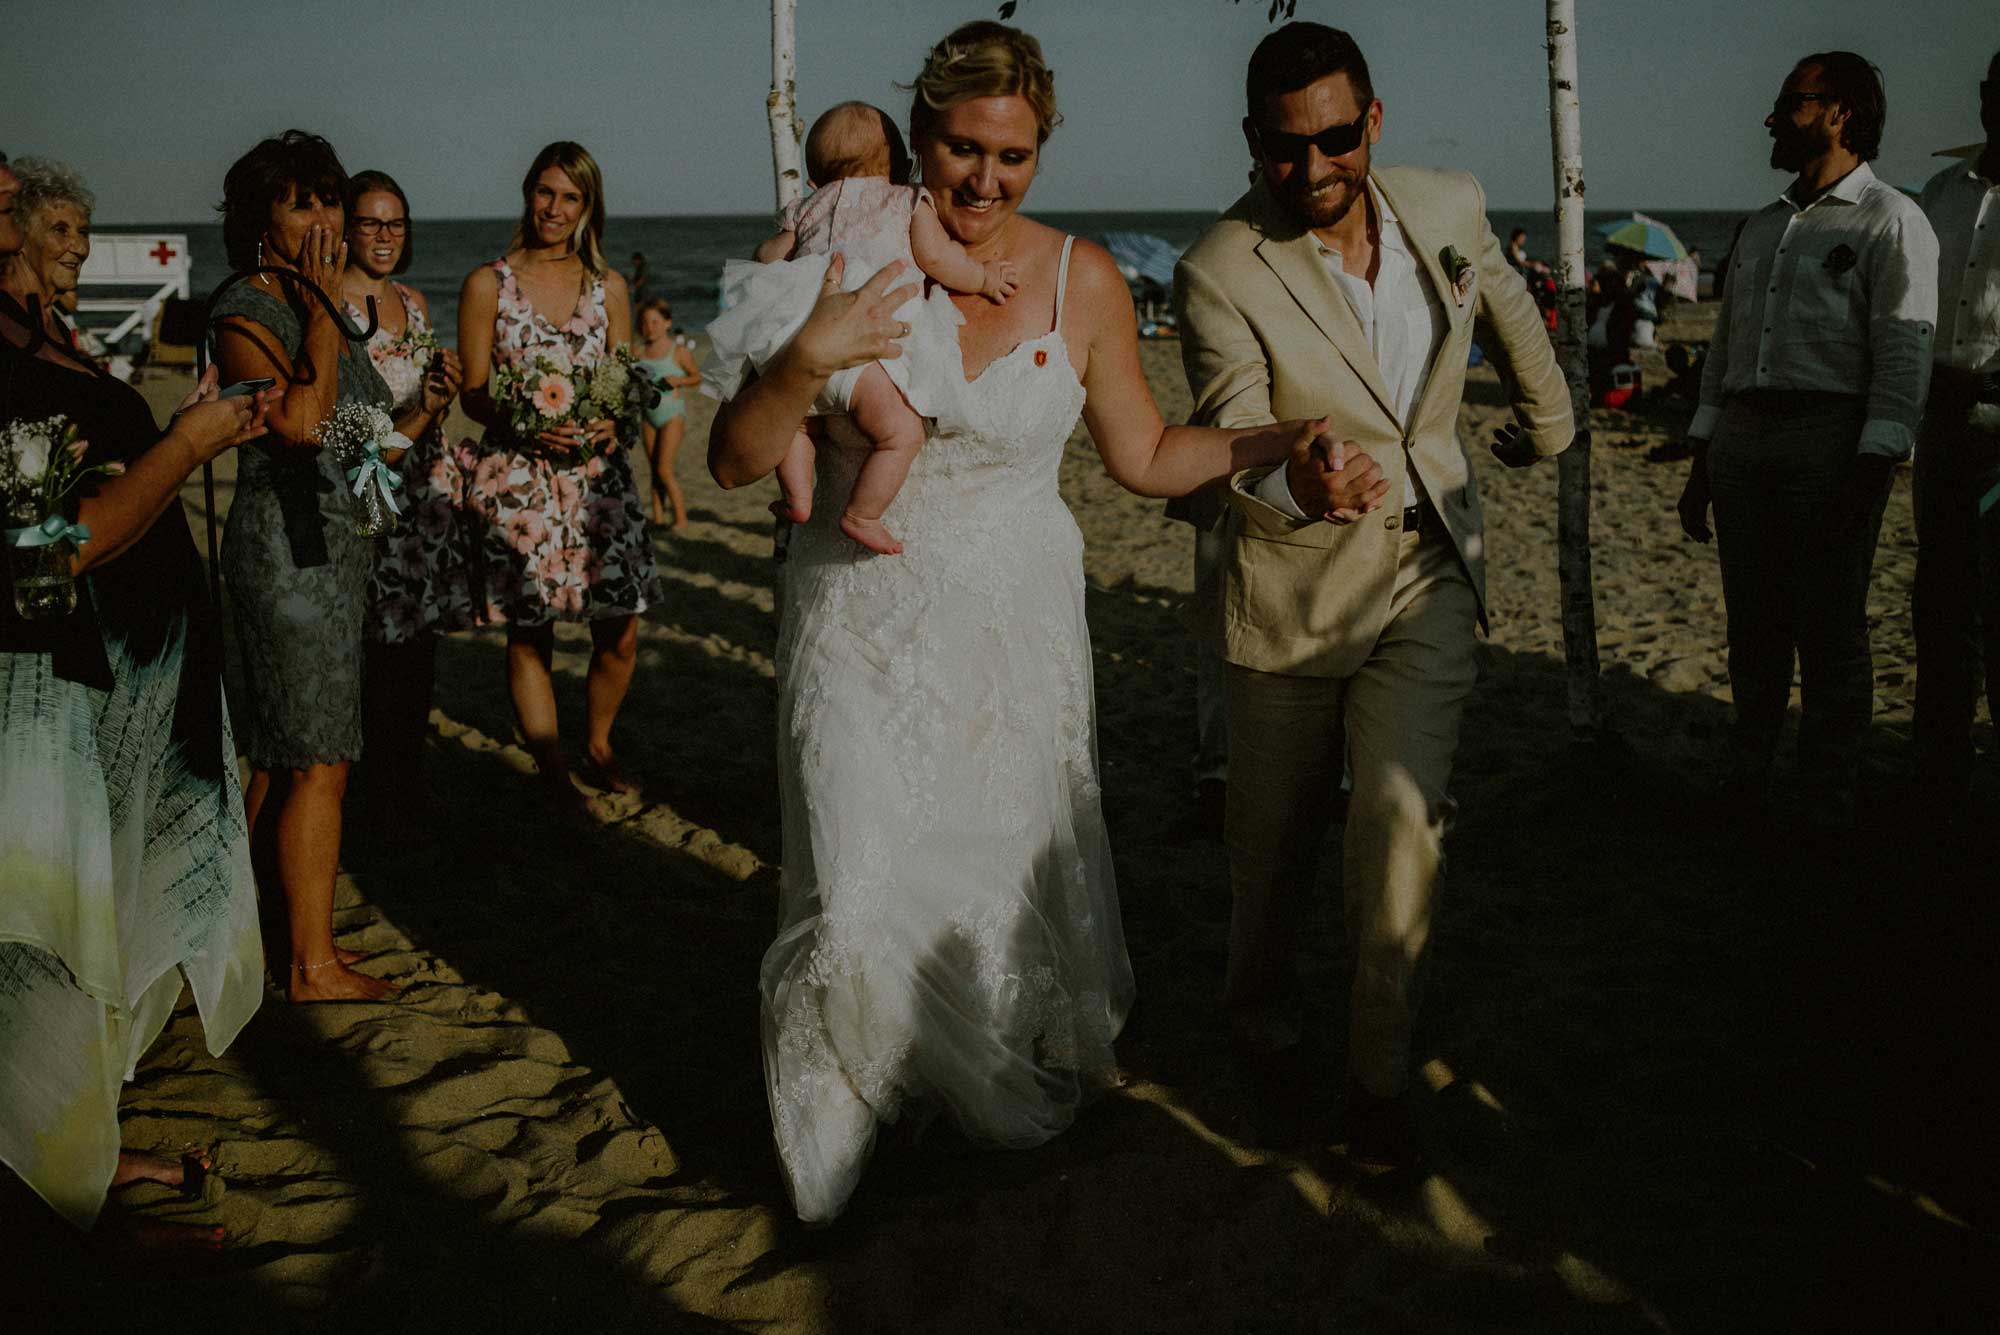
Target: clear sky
column 152, row 99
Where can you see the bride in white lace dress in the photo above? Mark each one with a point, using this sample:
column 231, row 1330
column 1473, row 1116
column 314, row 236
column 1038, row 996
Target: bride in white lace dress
column 950, row 937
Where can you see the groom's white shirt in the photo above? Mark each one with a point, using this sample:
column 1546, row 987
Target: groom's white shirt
column 1404, row 320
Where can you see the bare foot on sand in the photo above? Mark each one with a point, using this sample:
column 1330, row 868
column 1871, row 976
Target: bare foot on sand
column 604, row 770
column 871, row 533
column 136, row 1167
column 334, row 981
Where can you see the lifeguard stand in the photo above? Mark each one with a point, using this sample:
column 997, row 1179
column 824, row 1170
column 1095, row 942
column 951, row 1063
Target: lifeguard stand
column 128, row 278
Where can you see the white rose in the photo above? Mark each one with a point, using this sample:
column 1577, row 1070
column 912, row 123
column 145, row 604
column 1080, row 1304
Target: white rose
column 33, row 442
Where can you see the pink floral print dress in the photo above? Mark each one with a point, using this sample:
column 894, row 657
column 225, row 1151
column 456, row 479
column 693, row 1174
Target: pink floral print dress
column 422, row 581
column 559, row 538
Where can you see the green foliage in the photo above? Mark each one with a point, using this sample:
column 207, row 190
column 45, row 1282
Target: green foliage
column 1277, row 9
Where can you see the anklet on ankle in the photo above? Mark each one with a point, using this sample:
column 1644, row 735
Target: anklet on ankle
column 313, row 968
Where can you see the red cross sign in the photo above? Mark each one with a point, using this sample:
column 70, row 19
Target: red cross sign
column 163, row 252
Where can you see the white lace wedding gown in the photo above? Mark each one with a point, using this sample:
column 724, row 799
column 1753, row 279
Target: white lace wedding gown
column 949, row 936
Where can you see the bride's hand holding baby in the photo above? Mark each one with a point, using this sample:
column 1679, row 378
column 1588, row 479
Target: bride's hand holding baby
column 1002, row 281
column 852, row 328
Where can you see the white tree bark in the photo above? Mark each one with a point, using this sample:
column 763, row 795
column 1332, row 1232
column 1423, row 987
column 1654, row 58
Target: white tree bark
column 783, row 102
column 1579, row 605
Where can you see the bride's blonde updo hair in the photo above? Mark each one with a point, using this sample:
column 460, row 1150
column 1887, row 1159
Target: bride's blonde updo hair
column 984, row 59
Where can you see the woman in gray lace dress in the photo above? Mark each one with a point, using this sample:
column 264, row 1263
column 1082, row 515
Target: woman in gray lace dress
column 297, row 572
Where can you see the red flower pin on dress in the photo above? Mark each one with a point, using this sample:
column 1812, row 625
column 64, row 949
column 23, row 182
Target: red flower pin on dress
column 1041, row 357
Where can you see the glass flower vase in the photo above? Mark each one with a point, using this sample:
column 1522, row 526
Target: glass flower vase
column 43, row 576
column 372, row 516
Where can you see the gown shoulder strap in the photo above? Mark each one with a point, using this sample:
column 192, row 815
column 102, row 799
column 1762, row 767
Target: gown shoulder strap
column 1062, row 283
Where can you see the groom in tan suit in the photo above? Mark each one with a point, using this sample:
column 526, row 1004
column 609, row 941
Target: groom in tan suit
column 1354, row 578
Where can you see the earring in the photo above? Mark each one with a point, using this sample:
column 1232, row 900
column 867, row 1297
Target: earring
column 260, row 253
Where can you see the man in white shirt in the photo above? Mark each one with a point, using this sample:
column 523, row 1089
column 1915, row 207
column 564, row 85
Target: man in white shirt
column 1957, row 604
column 1353, row 578
column 1812, row 391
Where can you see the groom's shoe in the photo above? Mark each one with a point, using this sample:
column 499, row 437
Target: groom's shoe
column 1380, row 1132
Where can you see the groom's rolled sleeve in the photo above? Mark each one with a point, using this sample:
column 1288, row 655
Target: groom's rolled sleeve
column 1228, row 370
column 1519, row 347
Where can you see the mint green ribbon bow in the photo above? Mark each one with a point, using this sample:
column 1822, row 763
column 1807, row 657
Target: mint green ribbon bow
column 374, row 468
column 53, row 529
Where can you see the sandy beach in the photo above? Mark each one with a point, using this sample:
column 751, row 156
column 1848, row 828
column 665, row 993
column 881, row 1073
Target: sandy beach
column 1668, row 1082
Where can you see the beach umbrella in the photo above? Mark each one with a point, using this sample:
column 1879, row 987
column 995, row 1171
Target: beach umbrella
column 1141, row 256
column 1649, row 236
column 1963, row 151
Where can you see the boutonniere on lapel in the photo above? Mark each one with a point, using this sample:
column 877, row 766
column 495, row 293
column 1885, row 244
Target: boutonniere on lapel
column 1840, row 259
column 1461, row 273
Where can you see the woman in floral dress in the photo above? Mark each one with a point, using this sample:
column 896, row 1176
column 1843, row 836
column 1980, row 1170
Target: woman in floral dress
column 421, row 583
column 564, row 536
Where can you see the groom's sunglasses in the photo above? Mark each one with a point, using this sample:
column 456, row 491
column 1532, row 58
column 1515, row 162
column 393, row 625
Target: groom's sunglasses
column 1334, row 141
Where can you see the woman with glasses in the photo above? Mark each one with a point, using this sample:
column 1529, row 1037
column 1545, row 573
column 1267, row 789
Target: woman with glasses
column 421, row 583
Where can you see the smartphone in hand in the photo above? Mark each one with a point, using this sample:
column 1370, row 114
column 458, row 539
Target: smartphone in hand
column 242, row 387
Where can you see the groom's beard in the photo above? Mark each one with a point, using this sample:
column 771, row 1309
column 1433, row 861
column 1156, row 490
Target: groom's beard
column 1317, row 210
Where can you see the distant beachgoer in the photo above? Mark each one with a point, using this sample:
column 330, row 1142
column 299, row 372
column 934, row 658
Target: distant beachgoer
column 564, row 537
column 862, row 207
column 297, row 571
column 641, row 288
column 1957, row 609
column 1798, row 432
column 672, row 365
column 1517, row 248
column 422, row 580
column 126, row 859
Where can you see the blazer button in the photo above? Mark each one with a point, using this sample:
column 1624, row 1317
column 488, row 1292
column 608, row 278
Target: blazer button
column 1393, row 522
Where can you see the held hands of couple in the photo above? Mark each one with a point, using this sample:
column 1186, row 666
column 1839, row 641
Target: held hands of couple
column 1335, row 479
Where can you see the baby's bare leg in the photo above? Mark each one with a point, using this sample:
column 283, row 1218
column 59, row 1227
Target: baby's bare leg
column 897, row 433
column 795, row 480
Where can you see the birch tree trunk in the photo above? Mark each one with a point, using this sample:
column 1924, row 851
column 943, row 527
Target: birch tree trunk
column 1579, row 605
column 783, row 102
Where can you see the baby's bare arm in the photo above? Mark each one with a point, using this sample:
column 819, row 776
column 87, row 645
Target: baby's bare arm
column 945, row 260
column 777, row 246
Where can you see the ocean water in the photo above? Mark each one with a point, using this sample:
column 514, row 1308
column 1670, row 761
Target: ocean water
column 686, row 254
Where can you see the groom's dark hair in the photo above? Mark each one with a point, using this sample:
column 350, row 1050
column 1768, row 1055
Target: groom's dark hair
column 1304, row 53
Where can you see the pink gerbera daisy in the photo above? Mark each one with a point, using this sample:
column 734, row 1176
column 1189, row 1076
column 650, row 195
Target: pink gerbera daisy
column 553, row 395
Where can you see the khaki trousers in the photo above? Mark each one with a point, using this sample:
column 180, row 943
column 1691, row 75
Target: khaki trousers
column 1398, row 717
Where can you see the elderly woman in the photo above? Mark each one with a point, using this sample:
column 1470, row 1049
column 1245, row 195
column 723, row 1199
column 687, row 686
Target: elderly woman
column 297, row 571
column 126, row 862
column 950, row 937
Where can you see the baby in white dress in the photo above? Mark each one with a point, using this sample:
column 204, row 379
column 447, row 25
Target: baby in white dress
column 863, row 208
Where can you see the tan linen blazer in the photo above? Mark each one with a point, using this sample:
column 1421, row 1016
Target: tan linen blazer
column 1266, row 335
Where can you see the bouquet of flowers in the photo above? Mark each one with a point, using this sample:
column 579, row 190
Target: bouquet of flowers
column 41, row 462
column 358, row 434
column 550, row 390
column 404, row 361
